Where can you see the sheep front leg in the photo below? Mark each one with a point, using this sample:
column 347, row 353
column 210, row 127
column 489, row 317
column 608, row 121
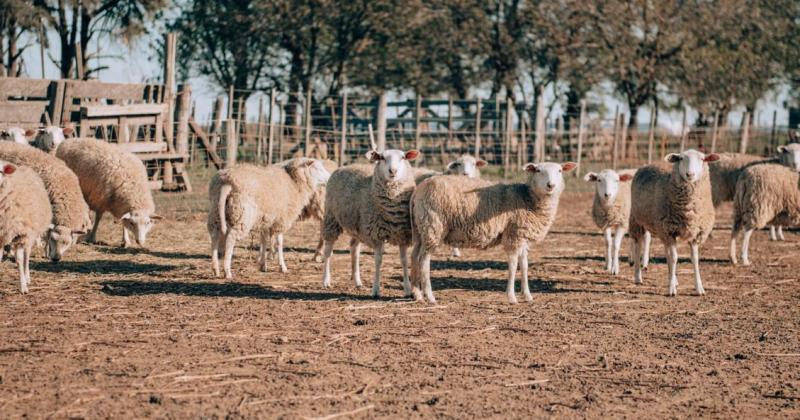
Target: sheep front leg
column 772, row 235
column 404, row 263
column 280, row 253
column 698, row 282
column 376, row 282
column 609, row 249
column 263, row 251
column 456, row 252
column 672, row 265
column 619, row 234
column 98, row 215
column 327, row 250
column 732, row 248
column 523, row 267
column 126, row 237
column 513, row 258
column 23, row 280
column 746, row 247
column 355, row 264
column 780, row 234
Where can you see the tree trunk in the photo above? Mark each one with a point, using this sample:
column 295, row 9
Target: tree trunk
column 12, row 69
column 633, row 130
column 573, row 109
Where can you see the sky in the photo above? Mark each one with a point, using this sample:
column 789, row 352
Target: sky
column 130, row 64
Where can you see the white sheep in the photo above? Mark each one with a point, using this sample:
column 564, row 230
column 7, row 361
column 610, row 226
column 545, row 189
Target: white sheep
column 474, row 213
column 70, row 211
column 466, row 165
column 49, row 138
column 267, row 199
column 26, row 215
column 611, row 210
column 113, row 181
column 765, row 194
column 14, row 134
column 370, row 205
column 673, row 203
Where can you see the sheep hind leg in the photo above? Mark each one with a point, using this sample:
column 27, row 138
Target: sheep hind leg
column 404, row 263
column 636, row 245
column 263, row 251
column 355, row 262
column 780, row 233
column 746, row 247
column 732, row 248
column 425, row 274
column 98, row 216
column 327, row 250
column 230, row 242
column 523, row 268
column 376, row 282
column 318, row 251
column 513, row 259
column 698, row 282
column 648, row 238
column 217, row 242
column 281, row 261
column 772, row 235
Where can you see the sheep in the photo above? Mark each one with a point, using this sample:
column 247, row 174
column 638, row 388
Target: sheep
column 764, row 194
column 466, row 165
column 112, row 181
column 480, row 214
column 70, row 211
column 14, row 134
column 611, row 209
column 49, row 138
column 371, row 205
column 26, row 215
column 268, row 199
column 673, row 204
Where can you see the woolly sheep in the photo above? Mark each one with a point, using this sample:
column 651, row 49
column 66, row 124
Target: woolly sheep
column 466, row 165
column 764, row 194
column 14, row 134
column 70, row 211
column 611, row 210
column 26, row 215
column 112, row 181
column 481, row 214
column 267, row 199
column 49, row 138
column 371, row 205
column 673, row 204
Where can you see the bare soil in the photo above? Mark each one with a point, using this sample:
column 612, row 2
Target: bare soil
column 110, row 332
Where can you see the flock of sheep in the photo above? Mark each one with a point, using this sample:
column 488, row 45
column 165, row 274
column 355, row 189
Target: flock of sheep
column 48, row 185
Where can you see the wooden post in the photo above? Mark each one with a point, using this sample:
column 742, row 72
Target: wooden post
column 169, row 98
column 714, row 132
column 478, row 129
column 309, row 100
column 281, row 129
column 509, row 133
column 79, row 70
column 623, row 135
column 615, row 140
column 381, row 121
column 581, row 134
column 540, row 129
column 271, row 132
column 683, row 130
column 559, row 135
column 417, row 128
column 773, row 138
column 745, row 133
column 449, row 123
column 522, row 156
column 260, row 131
column 216, row 126
column 651, row 135
column 183, row 110
column 231, row 142
column 343, row 133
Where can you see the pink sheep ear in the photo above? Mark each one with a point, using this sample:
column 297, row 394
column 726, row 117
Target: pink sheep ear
column 9, row 169
column 530, row 167
column 625, row 177
column 591, row 177
column 68, row 131
column 569, row 166
column 711, row 158
column 412, row 154
column 480, row 163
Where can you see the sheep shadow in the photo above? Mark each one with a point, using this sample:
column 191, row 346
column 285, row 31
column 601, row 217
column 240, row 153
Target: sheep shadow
column 301, row 250
column 576, row 233
column 100, row 267
column 126, row 288
column 145, row 251
column 468, row 265
column 498, row 285
column 626, row 259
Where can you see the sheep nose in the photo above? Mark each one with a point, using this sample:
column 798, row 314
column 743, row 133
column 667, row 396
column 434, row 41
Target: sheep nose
column 607, row 195
column 690, row 175
column 550, row 185
column 392, row 172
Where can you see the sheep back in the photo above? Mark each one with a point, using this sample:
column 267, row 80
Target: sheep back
column 724, row 174
column 767, row 194
column 25, row 208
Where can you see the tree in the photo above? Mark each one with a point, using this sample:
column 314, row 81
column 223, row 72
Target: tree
column 16, row 17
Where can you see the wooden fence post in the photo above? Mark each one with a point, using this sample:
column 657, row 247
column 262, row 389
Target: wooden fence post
column 381, row 121
column 522, row 156
column 449, row 123
column 651, row 136
column 343, row 133
column 231, row 142
column 540, row 129
column 624, row 134
column 615, row 141
column 581, row 134
column 271, row 126
column 281, row 129
column 773, row 137
column 169, row 88
column 417, row 128
column 183, row 110
column 216, row 126
column 714, row 132
column 260, row 131
column 307, row 138
column 745, row 133
column 478, row 128
column 683, row 130
column 508, row 134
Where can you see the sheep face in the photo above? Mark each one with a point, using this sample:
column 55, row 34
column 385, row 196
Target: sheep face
column 691, row 164
column 606, row 184
column 49, row 138
column 59, row 239
column 467, row 166
column 319, row 175
column 392, row 165
column 790, row 156
column 139, row 223
column 15, row 134
column 547, row 178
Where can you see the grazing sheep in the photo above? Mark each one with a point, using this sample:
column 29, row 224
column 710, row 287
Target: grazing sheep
column 370, row 205
column 49, row 138
column 14, row 134
column 480, row 214
column 70, row 211
column 112, row 181
column 267, row 199
column 764, row 194
column 26, row 215
column 673, row 204
column 611, row 210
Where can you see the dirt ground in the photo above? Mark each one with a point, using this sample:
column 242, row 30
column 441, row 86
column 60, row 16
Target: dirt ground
column 150, row 333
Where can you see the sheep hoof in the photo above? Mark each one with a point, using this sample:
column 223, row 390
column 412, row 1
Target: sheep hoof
column 284, row 270
column 512, row 300
column 701, row 292
column 317, row 258
column 528, row 298
column 746, row 263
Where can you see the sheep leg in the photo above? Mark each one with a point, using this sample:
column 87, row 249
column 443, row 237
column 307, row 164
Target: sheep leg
column 28, row 250
column 732, row 249
column 263, row 247
column 230, row 242
column 404, row 263
column 523, row 268
column 376, row 282
column 609, row 250
column 416, row 280
column 355, row 261
column 318, row 250
column 672, row 265
column 281, row 261
column 636, row 248
column 513, row 259
column 772, row 235
column 327, row 250
column 646, row 251
column 746, row 247
column 425, row 274
column 23, row 280
column 126, row 238
column 216, row 244
column 98, row 215
column 698, row 282
column 780, row 234
column 619, row 234
column 456, row 252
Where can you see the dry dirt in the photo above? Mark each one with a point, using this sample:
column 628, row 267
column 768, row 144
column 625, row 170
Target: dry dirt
column 149, row 333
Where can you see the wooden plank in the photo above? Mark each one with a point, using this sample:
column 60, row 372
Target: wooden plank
column 212, row 154
column 94, row 111
column 21, row 112
column 115, row 91
column 168, row 156
column 28, row 88
column 142, row 147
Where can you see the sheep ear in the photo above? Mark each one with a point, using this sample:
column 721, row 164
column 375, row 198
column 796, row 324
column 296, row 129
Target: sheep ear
column 9, row 169
column 530, row 167
column 125, row 216
column 625, row 177
column 591, row 177
column 711, row 158
column 156, row 217
column 412, row 154
column 480, row 163
column 453, row 164
column 781, row 149
column 568, row 166
column 673, row 157
column 374, row 156
column 68, row 131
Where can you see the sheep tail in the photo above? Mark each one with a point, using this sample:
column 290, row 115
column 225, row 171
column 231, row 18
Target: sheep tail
column 224, row 192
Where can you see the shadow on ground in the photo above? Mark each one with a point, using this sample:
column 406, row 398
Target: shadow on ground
column 100, row 266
